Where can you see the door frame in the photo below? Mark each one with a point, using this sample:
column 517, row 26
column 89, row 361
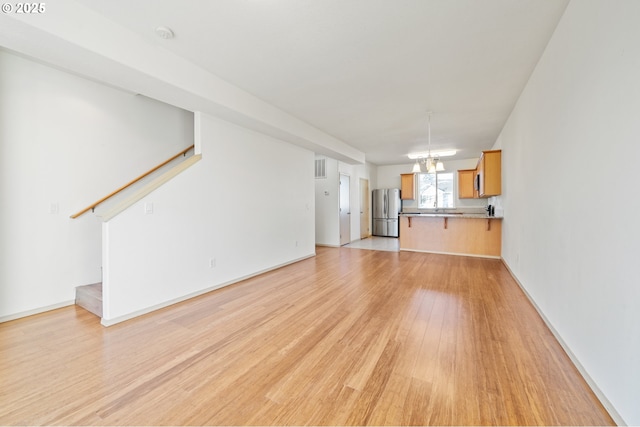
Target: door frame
column 365, row 211
column 344, row 239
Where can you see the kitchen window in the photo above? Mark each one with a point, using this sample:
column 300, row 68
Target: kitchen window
column 435, row 190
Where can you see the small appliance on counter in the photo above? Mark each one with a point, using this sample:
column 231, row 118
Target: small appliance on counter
column 386, row 209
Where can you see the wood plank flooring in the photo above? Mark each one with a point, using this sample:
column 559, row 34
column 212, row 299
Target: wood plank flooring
column 349, row 337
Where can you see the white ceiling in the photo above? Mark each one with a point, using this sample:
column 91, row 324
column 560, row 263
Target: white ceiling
column 364, row 71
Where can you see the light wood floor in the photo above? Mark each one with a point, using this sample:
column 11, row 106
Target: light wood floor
column 347, row 337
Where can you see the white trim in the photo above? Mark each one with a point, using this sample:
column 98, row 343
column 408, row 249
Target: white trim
column 148, row 188
column 592, row 384
column 106, row 268
column 111, row 322
column 36, row 311
column 451, row 253
column 197, row 132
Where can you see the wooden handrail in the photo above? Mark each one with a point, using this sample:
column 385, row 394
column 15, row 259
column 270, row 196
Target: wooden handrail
column 130, row 183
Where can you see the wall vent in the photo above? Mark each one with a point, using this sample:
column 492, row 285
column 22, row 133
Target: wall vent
column 321, row 169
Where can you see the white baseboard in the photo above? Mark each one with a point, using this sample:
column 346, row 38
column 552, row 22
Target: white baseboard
column 36, row 311
column 120, row 319
column 592, row 384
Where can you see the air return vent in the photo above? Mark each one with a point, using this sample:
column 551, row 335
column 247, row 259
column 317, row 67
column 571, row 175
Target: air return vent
column 321, row 168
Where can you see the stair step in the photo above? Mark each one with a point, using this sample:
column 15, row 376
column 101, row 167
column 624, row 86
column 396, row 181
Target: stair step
column 89, row 297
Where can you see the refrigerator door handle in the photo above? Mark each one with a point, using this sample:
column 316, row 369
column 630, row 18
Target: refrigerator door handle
column 386, row 214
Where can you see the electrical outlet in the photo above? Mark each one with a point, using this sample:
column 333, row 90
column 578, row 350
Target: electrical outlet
column 212, row 262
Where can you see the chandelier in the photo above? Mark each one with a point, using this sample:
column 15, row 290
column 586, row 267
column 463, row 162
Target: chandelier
column 431, row 161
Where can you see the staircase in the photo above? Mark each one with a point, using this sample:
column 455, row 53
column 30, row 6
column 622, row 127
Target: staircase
column 89, row 297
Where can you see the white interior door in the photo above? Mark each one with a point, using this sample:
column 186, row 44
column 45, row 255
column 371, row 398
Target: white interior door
column 345, row 210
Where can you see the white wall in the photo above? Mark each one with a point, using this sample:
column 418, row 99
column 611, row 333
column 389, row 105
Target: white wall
column 388, row 176
column 328, row 200
column 570, row 161
column 249, row 203
column 108, row 52
column 65, row 142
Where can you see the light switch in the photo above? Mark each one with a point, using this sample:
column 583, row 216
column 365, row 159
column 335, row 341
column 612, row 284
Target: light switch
column 148, row 208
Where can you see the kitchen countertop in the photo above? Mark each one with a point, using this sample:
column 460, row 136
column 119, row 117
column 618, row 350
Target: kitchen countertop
column 449, row 215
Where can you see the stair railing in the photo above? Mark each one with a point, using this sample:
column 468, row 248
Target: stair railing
column 130, row 183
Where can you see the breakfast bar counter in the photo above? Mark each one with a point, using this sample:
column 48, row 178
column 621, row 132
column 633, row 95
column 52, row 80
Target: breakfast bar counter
column 449, row 233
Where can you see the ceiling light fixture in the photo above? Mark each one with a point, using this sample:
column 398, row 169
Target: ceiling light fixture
column 165, row 32
column 424, row 154
column 432, row 162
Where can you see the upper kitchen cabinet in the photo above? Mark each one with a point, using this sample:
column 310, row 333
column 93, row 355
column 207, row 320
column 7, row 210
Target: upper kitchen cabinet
column 407, row 186
column 466, row 184
column 489, row 174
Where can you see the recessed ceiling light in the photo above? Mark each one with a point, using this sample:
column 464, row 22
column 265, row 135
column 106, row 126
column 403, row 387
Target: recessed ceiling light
column 165, row 32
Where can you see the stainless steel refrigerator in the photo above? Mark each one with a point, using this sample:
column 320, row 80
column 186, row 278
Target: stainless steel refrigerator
column 386, row 207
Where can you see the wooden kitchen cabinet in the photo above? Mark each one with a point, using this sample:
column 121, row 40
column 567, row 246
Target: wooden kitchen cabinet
column 466, row 184
column 407, row 186
column 489, row 171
